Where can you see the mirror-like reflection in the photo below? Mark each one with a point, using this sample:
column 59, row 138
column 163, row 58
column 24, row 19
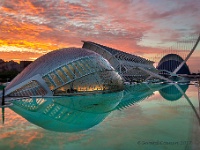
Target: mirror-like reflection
column 199, row 93
column 137, row 93
column 3, row 114
column 77, row 113
column 137, row 114
column 172, row 93
column 67, row 114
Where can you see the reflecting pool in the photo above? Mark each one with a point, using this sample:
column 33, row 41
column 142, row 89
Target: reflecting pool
column 143, row 116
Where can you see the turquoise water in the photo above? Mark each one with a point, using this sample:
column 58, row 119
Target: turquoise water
column 144, row 116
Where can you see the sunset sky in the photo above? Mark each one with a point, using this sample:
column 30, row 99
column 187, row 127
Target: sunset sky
column 31, row 28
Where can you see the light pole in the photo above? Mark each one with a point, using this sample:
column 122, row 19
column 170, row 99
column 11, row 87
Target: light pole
column 3, row 98
column 2, row 87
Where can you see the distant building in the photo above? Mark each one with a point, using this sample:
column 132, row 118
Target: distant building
column 13, row 66
column 170, row 62
column 24, row 64
column 9, row 66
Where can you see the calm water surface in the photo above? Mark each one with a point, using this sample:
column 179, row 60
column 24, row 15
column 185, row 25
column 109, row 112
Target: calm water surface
column 144, row 116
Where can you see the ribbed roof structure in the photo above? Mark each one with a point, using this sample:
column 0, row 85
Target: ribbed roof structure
column 50, row 61
column 123, row 55
column 170, row 62
column 127, row 65
column 66, row 71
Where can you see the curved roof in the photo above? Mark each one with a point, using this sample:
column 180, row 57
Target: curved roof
column 50, row 61
column 122, row 55
column 171, row 57
column 170, row 62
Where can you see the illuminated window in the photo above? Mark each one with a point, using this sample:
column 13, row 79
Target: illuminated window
column 84, row 69
column 50, row 84
column 62, row 75
column 30, row 89
column 55, row 79
column 76, row 71
column 80, row 70
column 66, row 70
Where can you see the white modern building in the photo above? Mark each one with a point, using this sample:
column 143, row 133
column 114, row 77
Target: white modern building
column 127, row 65
column 66, row 71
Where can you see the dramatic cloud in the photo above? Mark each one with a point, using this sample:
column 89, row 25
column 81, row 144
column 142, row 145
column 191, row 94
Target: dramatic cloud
column 134, row 26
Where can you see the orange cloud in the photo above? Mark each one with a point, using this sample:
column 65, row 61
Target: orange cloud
column 17, row 56
column 126, row 25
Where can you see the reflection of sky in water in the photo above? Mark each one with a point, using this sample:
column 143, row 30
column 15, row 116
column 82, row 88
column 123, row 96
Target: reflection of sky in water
column 141, row 115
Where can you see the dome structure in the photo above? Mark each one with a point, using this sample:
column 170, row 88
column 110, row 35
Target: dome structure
column 66, row 71
column 170, row 62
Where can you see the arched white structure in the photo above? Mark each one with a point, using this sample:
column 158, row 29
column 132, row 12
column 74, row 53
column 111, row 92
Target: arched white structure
column 127, row 65
column 64, row 72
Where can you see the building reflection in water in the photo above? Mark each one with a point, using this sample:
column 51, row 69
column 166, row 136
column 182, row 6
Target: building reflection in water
column 137, row 93
column 77, row 113
column 175, row 92
column 172, row 93
column 67, row 114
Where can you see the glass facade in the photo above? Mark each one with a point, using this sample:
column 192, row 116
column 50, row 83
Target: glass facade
column 87, row 74
column 32, row 88
column 66, row 71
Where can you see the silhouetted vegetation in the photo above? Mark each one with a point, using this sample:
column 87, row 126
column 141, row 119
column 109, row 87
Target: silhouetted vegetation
column 195, row 73
column 6, row 76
